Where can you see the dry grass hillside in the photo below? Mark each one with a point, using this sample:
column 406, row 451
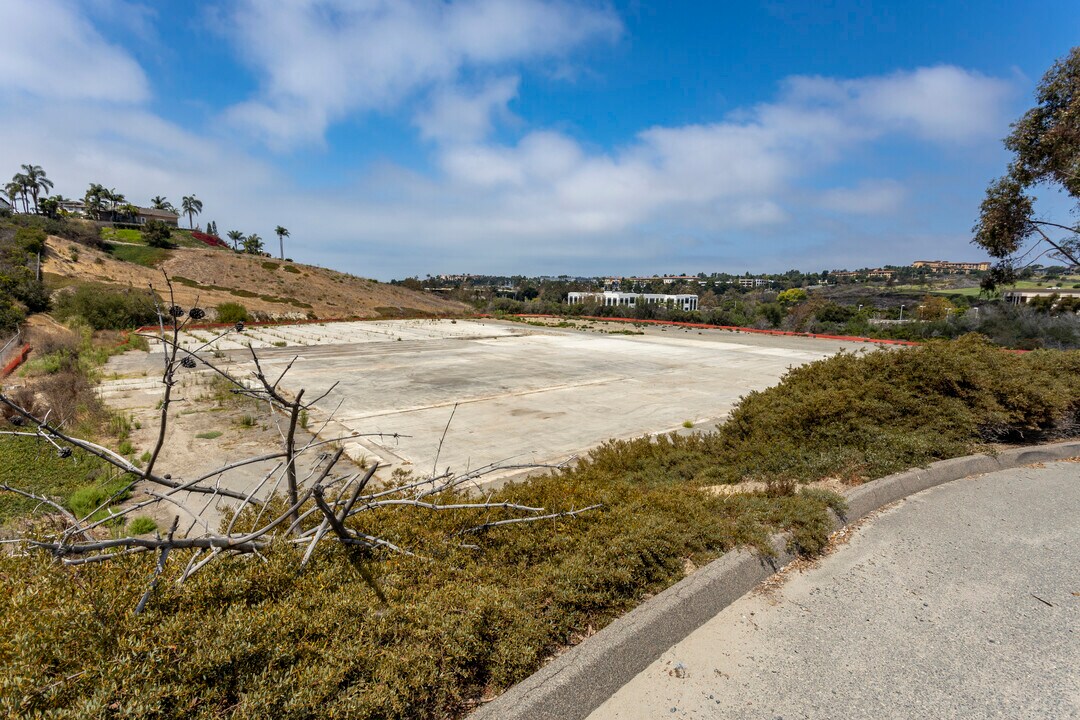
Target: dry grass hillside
column 278, row 289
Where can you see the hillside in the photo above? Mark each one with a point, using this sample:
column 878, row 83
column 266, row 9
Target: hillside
column 278, row 289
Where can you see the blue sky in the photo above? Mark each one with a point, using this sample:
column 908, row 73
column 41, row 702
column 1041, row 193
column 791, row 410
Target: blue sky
column 538, row 136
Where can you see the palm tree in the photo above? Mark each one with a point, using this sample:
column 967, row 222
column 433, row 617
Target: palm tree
column 22, row 184
column 160, row 202
column 36, row 182
column 192, row 206
column 253, row 244
column 282, row 233
column 13, row 189
column 236, row 236
column 95, row 200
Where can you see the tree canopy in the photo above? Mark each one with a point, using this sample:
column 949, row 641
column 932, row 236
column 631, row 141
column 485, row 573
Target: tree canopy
column 1045, row 143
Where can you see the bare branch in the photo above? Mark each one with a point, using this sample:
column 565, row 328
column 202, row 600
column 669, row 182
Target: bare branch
column 513, row 521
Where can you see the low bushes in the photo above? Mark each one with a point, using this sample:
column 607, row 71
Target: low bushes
column 256, row 639
column 870, row 415
column 105, row 307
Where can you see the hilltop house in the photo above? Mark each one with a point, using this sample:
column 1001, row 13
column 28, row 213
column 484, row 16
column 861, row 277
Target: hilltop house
column 142, row 215
column 5, row 205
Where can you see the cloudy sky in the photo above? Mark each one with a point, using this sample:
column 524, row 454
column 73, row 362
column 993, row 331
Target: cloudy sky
column 403, row 137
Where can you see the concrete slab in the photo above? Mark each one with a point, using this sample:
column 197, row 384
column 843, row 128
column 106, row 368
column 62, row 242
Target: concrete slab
column 523, row 394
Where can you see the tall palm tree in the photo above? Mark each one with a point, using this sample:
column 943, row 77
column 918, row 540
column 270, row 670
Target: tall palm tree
column 95, row 200
column 13, row 190
column 36, row 182
column 192, row 206
column 236, row 236
column 23, row 184
column 160, row 202
column 282, row 233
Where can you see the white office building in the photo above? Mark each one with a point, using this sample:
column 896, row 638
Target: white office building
column 609, row 298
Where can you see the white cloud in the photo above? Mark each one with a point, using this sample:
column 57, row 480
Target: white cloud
column 868, row 197
column 49, row 48
column 460, row 116
column 942, row 103
column 320, row 61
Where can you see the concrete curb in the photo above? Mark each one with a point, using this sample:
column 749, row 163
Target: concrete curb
column 574, row 684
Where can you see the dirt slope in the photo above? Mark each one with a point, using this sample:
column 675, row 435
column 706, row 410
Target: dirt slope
column 279, row 289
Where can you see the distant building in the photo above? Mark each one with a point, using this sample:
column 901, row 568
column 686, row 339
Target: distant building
column 880, row 273
column 144, row 215
column 5, row 205
column 615, row 282
column 73, row 207
column 1021, row 297
column 945, row 266
column 753, row 282
column 624, row 299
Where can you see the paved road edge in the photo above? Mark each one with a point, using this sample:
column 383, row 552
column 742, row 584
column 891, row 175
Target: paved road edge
column 577, row 682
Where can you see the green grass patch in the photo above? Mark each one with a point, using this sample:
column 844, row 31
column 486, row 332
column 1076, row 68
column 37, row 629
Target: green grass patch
column 271, row 266
column 139, row 254
column 127, row 235
column 87, row 499
column 209, row 435
column 291, row 269
column 140, row 526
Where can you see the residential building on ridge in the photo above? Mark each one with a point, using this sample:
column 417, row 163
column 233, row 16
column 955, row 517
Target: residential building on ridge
column 143, row 215
column 945, row 266
column 611, row 298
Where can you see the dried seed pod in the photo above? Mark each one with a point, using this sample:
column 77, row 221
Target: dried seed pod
column 188, row 362
column 64, row 452
column 16, row 420
column 176, row 311
column 197, row 313
column 239, row 327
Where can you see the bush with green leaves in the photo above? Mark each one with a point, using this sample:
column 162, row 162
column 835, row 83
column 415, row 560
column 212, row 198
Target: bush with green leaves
column 107, row 307
column 157, row 234
column 231, row 312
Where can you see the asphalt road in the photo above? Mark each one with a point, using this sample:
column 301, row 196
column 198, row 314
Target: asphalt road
column 960, row 602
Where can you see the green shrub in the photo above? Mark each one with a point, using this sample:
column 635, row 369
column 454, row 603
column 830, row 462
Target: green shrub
column 140, row 525
column 862, row 416
column 86, row 499
column 158, row 234
column 10, row 315
column 106, row 307
column 232, row 312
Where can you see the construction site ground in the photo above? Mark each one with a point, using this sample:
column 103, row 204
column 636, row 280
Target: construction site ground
column 486, row 391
